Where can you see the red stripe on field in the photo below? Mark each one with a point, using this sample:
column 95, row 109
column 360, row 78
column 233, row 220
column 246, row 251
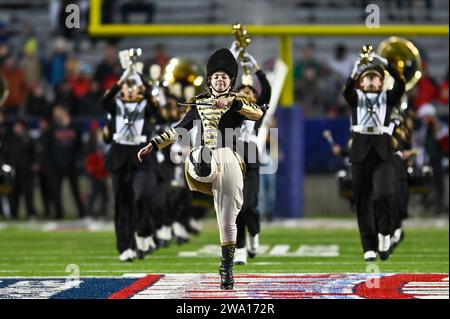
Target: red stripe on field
column 136, row 287
column 390, row 287
column 284, row 276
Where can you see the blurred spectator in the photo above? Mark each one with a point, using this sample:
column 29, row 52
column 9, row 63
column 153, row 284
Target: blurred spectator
column 64, row 93
column 4, row 53
column 36, row 103
column 404, row 9
column 64, row 147
column 139, row 6
column 17, row 85
column 43, row 165
column 20, row 154
column 338, row 70
column 108, row 71
column 6, row 179
column 160, row 57
column 342, row 62
column 306, row 76
column 430, row 133
column 55, row 65
column 30, row 63
column 80, row 84
column 90, row 104
column 443, row 91
column 98, row 175
column 426, row 89
column 4, row 34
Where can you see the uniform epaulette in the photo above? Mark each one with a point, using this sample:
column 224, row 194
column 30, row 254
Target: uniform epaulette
column 200, row 96
column 243, row 97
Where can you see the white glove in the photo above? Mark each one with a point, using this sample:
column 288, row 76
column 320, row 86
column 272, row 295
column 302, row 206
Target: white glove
column 249, row 61
column 235, row 50
column 379, row 60
column 124, row 75
column 357, row 69
column 124, row 57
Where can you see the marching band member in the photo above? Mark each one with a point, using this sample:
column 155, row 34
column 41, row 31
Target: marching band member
column 249, row 217
column 133, row 114
column 214, row 167
column 371, row 154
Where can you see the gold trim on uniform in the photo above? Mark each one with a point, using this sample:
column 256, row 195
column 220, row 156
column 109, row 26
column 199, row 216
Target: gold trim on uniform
column 166, row 138
column 249, row 108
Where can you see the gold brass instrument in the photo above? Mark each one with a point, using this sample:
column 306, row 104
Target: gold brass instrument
column 185, row 78
column 243, row 40
column 404, row 55
column 3, row 90
column 365, row 55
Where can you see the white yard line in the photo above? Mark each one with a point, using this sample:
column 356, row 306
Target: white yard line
column 304, row 223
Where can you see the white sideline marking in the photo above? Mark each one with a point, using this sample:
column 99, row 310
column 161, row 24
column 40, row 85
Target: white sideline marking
column 279, row 250
column 426, row 284
column 318, row 250
column 432, row 297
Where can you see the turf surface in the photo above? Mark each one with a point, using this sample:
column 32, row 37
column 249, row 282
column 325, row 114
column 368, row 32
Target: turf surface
column 25, row 252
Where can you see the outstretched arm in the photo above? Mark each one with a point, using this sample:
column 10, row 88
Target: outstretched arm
column 249, row 110
column 349, row 93
column 266, row 90
column 395, row 95
column 108, row 102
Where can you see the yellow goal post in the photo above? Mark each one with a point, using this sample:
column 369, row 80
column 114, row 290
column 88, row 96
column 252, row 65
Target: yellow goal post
column 283, row 32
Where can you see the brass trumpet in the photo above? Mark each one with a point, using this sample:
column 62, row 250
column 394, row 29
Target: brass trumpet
column 243, row 40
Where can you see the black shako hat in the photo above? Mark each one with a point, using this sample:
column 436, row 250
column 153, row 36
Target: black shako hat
column 224, row 60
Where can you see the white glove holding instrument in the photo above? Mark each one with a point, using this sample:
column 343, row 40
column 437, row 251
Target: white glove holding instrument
column 124, row 57
column 126, row 73
column 379, row 60
column 235, row 50
column 358, row 68
column 250, row 62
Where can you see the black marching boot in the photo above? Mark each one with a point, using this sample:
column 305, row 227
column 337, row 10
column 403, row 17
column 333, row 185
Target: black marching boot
column 226, row 267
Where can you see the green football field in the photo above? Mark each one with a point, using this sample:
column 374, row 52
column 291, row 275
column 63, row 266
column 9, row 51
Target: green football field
column 28, row 251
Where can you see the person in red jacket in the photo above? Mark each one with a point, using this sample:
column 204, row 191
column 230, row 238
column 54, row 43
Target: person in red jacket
column 98, row 174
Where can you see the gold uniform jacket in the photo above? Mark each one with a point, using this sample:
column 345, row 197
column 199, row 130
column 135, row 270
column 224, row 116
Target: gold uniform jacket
column 209, row 121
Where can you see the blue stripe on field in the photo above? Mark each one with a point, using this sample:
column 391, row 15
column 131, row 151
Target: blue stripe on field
column 95, row 288
column 89, row 288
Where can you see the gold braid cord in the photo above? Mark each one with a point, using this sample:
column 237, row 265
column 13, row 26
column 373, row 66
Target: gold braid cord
column 165, row 139
column 249, row 108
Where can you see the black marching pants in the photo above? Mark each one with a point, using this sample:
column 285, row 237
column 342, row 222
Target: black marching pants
column 248, row 217
column 133, row 191
column 401, row 193
column 374, row 189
